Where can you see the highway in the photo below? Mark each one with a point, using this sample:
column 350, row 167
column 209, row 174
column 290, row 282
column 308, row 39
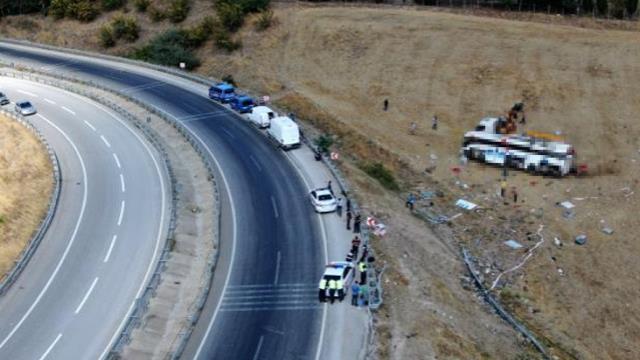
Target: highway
column 97, row 255
column 263, row 301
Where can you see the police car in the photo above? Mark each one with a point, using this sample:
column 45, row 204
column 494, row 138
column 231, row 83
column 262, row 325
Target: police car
column 323, row 200
column 336, row 270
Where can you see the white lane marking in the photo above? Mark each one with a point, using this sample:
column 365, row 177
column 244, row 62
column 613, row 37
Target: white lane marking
column 121, row 213
column 71, row 241
column 46, row 353
column 275, row 281
column 115, row 157
column 86, row 296
column 255, row 162
column 122, row 183
column 163, row 202
column 50, row 101
column 257, row 353
column 104, row 140
column 224, row 129
column 113, row 242
column 68, row 110
column 90, row 125
column 27, row 93
column 326, row 259
column 275, row 207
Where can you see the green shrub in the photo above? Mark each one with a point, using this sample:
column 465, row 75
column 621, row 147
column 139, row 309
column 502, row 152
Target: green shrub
column 231, row 14
column 169, row 48
column 82, row 10
column 178, row 10
column 156, row 14
column 197, row 35
column 112, row 4
column 141, row 5
column 58, row 8
column 222, row 39
column 249, row 6
column 384, row 176
column 106, row 36
column 265, row 19
column 323, row 143
column 125, row 27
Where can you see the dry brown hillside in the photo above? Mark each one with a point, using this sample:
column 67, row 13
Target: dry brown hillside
column 337, row 64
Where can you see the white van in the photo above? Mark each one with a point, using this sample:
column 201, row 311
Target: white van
column 285, row 132
column 261, row 116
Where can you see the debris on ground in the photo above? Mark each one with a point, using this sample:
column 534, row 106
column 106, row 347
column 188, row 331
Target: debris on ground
column 607, row 230
column 513, row 244
column 581, row 239
column 467, row 205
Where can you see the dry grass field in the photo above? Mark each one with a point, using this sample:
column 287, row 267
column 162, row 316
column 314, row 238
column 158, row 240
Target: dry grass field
column 25, row 188
column 335, row 65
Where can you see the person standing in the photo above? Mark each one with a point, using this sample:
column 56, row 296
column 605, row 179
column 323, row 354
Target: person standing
column 356, row 224
column 412, row 128
column 515, row 195
column 333, row 286
column 322, row 294
column 362, row 267
column 355, row 291
column 348, row 205
column 503, row 188
column 340, row 285
column 329, row 187
column 356, row 242
column 385, row 104
column 348, row 220
column 339, row 207
column 434, row 122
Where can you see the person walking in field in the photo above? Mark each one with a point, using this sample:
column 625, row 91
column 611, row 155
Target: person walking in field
column 412, row 128
column 385, row 104
column 434, row 122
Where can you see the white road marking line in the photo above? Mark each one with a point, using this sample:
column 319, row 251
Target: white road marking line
column 46, row 353
column 122, row 183
column 90, row 125
column 50, row 101
column 275, row 281
column 86, row 296
column 121, row 213
column 104, row 139
column 113, row 242
column 326, row 260
column 115, row 157
column 68, row 110
column 71, row 241
column 257, row 353
column 275, row 208
column 224, row 129
column 27, row 93
column 163, row 202
column 255, row 162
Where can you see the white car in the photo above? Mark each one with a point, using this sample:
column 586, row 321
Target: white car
column 25, row 108
column 4, row 100
column 323, row 200
column 337, row 270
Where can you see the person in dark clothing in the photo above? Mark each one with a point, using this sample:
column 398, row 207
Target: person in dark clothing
column 515, row 195
column 348, row 204
column 348, row 220
column 356, row 224
column 385, row 104
column 339, row 207
column 329, row 186
column 356, row 241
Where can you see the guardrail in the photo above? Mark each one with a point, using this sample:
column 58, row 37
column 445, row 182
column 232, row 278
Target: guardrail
column 10, row 277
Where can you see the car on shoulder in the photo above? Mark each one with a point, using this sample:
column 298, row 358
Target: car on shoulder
column 336, row 270
column 222, row 92
column 242, row 104
column 4, row 100
column 25, row 108
column 323, row 200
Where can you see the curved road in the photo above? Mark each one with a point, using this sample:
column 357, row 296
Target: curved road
column 263, row 302
column 99, row 250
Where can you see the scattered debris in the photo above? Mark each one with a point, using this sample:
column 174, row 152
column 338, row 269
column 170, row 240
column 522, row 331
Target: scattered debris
column 426, row 195
column 607, row 230
column 524, row 260
column 455, row 216
column 467, row 205
column 513, row 244
column 557, row 242
column 581, row 239
column 567, row 205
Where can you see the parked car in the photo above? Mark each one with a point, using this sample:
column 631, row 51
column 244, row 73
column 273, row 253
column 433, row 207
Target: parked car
column 336, row 270
column 323, row 200
column 25, row 108
column 4, row 100
column 222, row 92
column 284, row 132
column 261, row 116
column 242, row 103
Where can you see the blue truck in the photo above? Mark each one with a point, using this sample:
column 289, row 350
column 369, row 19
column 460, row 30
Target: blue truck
column 222, row 92
column 242, row 103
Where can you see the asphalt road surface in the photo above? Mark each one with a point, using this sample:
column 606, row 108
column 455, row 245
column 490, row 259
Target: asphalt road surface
column 78, row 288
column 263, row 302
